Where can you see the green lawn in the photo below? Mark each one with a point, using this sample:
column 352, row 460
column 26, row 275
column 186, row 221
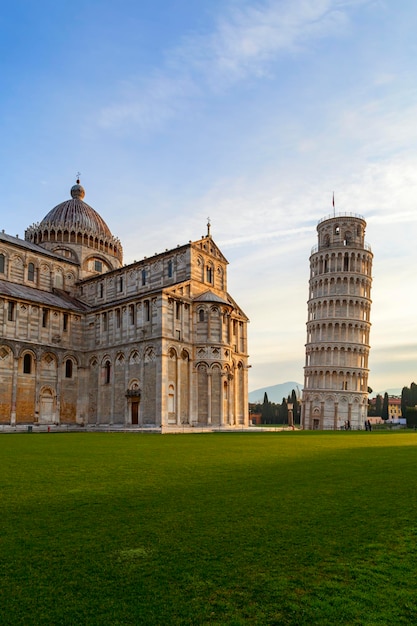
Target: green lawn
column 264, row 528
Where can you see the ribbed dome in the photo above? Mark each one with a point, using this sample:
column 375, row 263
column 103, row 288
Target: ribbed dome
column 76, row 214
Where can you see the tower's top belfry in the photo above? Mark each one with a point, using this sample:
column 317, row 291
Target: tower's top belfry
column 341, row 230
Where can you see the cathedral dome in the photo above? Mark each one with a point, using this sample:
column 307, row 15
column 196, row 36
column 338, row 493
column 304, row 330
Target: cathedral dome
column 76, row 214
column 75, row 230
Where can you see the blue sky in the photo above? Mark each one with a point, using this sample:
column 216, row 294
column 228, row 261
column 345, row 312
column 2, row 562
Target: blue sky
column 249, row 112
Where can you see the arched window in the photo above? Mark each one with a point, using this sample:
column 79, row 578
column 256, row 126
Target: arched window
column 11, row 309
column 201, row 315
column 107, row 372
column 132, row 316
column 31, row 272
column 169, row 269
column 59, row 280
column 68, row 368
column 146, row 311
column 143, row 277
column 27, row 364
column 2, row 263
column 171, row 399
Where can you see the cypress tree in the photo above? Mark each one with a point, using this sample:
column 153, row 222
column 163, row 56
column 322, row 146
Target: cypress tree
column 296, row 405
column 284, row 412
column 266, row 410
column 384, row 414
column 413, row 394
column 405, row 400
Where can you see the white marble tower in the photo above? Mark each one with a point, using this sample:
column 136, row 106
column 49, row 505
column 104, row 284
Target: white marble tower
column 335, row 391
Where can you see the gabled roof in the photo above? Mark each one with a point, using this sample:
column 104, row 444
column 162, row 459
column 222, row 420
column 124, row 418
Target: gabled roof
column 209, row 296
column 207, row 245
column 59, row 299
column 33, row 247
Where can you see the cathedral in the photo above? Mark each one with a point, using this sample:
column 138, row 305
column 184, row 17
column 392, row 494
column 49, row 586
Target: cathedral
column 88, row 341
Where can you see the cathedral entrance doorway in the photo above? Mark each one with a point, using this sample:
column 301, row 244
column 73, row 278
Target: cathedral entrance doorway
column 134, row 411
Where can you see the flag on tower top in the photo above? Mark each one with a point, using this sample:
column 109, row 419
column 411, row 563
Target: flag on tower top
column 333, row 199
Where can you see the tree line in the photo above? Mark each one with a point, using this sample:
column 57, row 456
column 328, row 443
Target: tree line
column 408, row 405
column 380, row 408
column 274, row 413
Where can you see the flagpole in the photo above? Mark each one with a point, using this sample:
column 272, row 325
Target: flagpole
column 334, row 209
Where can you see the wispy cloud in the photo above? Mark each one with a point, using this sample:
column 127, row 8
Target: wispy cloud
column 244, row 43
column 247, row 39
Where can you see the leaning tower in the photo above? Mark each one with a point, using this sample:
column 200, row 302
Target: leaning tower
column 335, row 393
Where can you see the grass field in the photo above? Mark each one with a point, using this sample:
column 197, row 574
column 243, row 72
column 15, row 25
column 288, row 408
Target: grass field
column 281, row 528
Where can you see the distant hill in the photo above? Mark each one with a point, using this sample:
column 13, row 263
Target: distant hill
column 275, row 392
column 390, row 392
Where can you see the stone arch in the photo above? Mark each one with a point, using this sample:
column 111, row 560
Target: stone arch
column 149, row 354
column 210, row 273
column 89, row 262
column 216, row 393
column 171, row 403
column 58, row 277
column 220, row 277
column 172, row 385
column 172, row 352
column 240, row 392
column 70, row 365
column 120, row 359
column 66, row 252
column 215, row 323
column 200, row 265
column 17, row 267
column 134, row 357
column 107, row 369
column 149, row 398
column 134, row 385
column 6, row 375
column 202, row 392
column 32, row 268
column 47, row 405
column 27, row 359
column 26, row 405
column 4, row 261
column 69, row 279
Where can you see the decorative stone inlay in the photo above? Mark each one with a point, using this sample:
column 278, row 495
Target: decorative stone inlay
column 3, row 352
